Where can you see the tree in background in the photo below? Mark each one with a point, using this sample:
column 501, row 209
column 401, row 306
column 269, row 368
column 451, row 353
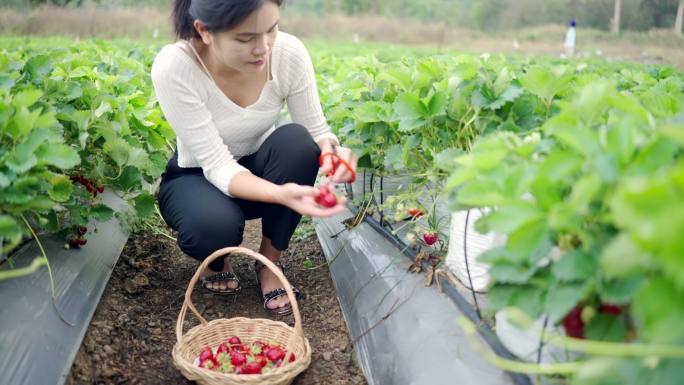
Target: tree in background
column 679, row 17
column 615, row 21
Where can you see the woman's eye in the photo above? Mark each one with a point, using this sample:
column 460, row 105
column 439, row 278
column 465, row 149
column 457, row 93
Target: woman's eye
column 244, row 41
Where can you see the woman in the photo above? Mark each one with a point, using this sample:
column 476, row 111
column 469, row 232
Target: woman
column 222, row 86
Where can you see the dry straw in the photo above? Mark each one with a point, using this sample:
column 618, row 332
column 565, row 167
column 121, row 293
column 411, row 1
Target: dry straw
column 212, row 333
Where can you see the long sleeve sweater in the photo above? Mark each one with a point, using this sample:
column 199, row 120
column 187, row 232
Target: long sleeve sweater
column 212, row 132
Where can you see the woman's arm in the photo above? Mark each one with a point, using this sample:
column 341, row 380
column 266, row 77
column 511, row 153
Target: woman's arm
column 299, row 198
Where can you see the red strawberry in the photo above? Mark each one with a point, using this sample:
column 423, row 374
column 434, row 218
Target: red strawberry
column 414, row 212
column 234, row 340
column 610, row 309
column 430, row 238
column 573, row 324
column 100, row 189
column 326, row 197
column 252, row 368
column 292, row 357
column 261, row 359
column 74, row 244
column 206, row 354
column 222, row 348
column 275, row 353
column 237, row 358
column 82, row 242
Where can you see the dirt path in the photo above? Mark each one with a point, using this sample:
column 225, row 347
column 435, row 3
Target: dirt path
column 133, row 329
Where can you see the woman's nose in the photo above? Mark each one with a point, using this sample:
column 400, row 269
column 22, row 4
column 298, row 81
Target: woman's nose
column 261, row 45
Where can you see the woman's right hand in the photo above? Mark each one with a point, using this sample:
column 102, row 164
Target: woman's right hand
column 302, row 199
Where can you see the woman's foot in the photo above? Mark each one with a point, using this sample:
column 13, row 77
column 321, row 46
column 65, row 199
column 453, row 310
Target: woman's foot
column 224, row 281
column 270, row 282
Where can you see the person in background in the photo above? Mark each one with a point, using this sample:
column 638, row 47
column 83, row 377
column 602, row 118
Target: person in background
column 571, row 38
column 222, row 87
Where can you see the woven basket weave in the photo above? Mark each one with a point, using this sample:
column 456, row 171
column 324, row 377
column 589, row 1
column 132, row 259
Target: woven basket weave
column 212, row 333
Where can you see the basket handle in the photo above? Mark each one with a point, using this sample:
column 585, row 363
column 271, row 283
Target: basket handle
column 187, row 303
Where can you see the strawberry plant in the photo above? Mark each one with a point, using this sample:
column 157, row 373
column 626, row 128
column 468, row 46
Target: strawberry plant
column 73, row 122
column 589, row 210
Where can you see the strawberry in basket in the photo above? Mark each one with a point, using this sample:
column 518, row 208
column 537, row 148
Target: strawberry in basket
column 235, row 357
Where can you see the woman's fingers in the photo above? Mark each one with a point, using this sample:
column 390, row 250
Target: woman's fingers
column 347, row 165
column 326, row 161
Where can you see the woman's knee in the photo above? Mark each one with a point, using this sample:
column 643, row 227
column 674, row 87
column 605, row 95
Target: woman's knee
column 294, row 142
column 199, row 237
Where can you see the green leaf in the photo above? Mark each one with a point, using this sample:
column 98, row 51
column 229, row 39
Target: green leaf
column 445, row 160
column 25, row 99
column 9, row 227
column 574, row 266
column 480, row 194
column 593, row 101
column 101, row 213
column 4, row 180
column 584, row 192
column 659, row 309
column 561, row 298
column 61, row 188
column 606, row 327
column 409, row 107
column 371, row 112
column 543, row 83
column 528, row 298
column 118, row 150
column 509, row 218
column 505, row 272
column 531, row 240
column 39, row 67
column 144, row 205
column 622, row 258
column 394, row 157
column 438, row 104
column 619, row 291
column 59, row 155
column 129, row 179
column 23, row 122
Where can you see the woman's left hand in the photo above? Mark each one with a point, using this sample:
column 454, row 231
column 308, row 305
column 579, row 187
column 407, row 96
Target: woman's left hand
column 339, row 163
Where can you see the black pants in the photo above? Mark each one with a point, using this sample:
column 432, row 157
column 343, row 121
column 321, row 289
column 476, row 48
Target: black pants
column 207, row 219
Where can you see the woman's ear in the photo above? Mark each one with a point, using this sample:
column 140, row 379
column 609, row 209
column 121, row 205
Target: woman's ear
column 203, row 31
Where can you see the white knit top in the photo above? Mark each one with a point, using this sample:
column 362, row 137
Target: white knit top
column 212, row 131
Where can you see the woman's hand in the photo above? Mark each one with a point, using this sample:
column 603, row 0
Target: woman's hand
column 302, row 200
column 340, row 166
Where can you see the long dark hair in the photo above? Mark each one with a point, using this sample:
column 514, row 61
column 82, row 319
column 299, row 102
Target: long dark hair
column 217, row 15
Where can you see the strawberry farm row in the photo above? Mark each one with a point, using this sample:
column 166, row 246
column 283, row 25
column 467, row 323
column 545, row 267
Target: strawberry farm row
column 75, row 118
column 578, row 164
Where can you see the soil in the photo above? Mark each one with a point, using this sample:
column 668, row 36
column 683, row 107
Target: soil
column 132, row 332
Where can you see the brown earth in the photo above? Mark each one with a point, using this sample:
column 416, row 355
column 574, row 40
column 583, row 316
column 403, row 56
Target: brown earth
column 133, row 330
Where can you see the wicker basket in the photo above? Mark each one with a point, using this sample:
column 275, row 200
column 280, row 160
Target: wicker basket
column 188, row 346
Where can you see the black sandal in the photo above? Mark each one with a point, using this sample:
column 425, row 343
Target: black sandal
column 225, row 276
column 273, row 294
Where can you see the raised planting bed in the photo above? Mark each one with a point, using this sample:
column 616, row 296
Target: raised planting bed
column 403, row 332
column 37, row 346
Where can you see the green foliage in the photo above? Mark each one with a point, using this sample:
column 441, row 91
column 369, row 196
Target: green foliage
column 87, row 110
column 579, row 165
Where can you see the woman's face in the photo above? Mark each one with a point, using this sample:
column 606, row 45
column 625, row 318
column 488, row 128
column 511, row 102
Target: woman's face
column 247, row 47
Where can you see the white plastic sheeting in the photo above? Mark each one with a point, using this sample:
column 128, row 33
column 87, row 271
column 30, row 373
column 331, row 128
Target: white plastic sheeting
column 36, row 346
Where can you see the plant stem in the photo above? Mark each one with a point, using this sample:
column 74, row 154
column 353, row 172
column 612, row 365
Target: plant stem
column 47, row 263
